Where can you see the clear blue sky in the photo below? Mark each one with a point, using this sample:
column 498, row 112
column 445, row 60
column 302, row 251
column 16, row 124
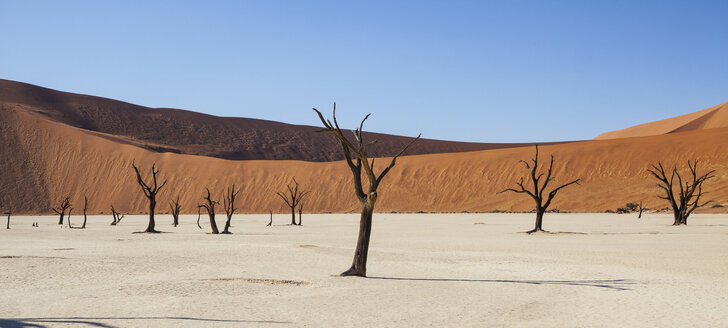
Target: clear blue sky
column 482, row 71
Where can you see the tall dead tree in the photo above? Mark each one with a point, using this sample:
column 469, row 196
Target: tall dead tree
column 685, row 200
column 357, row 158
column 62, row 207
column 293, row 198
column 85, row 207
column 10, row 211
column 150, row 191
column 229, row 205
column 210, row 207
column 537, row 190
column 174, row 209
column 116, row 215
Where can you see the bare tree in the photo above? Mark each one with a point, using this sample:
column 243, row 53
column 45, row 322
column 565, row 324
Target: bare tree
column 85, row 207
column 300, row 213
column 175, row 208
column 229, row 205
column 70, row 209
column 357, row 158
column 537, row 191
column 640, row 209
column 198, row 217
column 293, row 198
column 8, row 213
column 210, row 207
column 116, row 215
column 62, row 207
column 150, row 192
column 270, row 223
column 688, row 196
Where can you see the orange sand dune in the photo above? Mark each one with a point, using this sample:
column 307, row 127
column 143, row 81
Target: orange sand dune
column 709, row 118
column 43, row 160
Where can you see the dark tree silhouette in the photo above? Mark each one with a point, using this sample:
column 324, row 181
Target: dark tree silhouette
column 175, row 208
column 62, row 207
column 150, row 192
column 270, row 223
column 537, row 191
column 300, row 214
column 229, row 205
column 198, row 216
column 85, row 207
column 357, row 158
column 8, row 213
column 688, row 196
column 640, row 209
column 70, row 209
column 293, row 198
column 210, row 207
column 116, row 215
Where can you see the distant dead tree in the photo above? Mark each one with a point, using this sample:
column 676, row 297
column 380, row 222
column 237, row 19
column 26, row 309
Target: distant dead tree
column 175, row 208
column 150, row 192
column 640, row 209
column 8, row 213
column 116, row 215
column 688, row 196
column 359, row 149
column 293, row 198
column 210, row 207
column 198, row 217
column 300, row 214
column 70, row 209
column 229, row 205
column 537, row 191
column 270, row 223
column 85, row 207
column 62, row 207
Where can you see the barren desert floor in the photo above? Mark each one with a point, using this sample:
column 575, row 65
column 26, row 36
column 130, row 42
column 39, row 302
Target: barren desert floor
column 438, row 270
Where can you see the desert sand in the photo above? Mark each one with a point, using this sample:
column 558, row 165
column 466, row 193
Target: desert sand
column 426, row 270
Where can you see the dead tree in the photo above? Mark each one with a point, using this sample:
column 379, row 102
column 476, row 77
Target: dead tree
column 210, row 207
column 198, row 217
column 293, row 198
column 85, row 207
column 640, row 209
column 300, row 212
column 150, row 192
column 175, row 208
column 10, row 211
column 70, row 209
column 270, row 223
column 357, row 158
column 537, row 191
column 688, row 196
column 62, row 207
column 116, row 215
column 229, row 205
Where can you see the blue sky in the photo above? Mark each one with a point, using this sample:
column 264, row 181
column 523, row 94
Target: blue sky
column 507, row 71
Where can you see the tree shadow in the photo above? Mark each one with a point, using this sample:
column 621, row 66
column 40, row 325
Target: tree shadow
column 93, row 322
column 614, row 284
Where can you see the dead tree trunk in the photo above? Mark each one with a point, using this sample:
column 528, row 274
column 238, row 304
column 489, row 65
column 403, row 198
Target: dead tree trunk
column 358, row 149
column 538, row 189
column 270, row 223
column 116, row 215
column 686, row 201
column 293, row 198
column 640, row 209
column 85, row 207
column 70, row 209
column 150, row 191
column 63, row 205
column 300, row 213
column 198, row 217
column 175, row 209
column 210, row 207
column 10, row 211
column 229, row 205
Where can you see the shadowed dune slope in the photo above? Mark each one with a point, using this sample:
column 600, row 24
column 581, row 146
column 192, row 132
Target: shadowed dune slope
column 51, row 159
column 709, row 118
column 185, row 132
